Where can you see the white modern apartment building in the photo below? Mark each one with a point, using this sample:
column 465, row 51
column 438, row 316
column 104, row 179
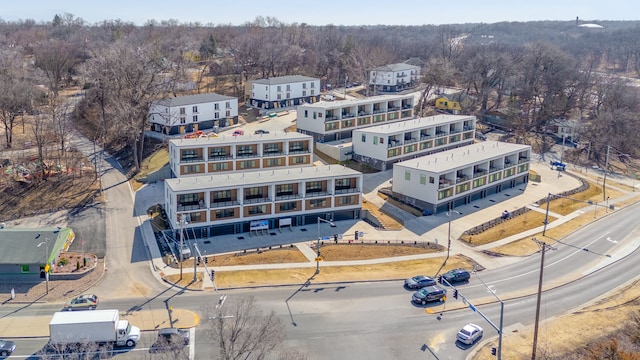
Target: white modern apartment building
column 184, row 114
column 227, row 154
column 282, row 92
column 442, row 181
column 383, row 145
column 239, row 202
column 336, row 120
column 394, row 77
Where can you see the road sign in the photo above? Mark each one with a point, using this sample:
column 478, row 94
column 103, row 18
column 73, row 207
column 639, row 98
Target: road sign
column 47, row 268
column 325, row 238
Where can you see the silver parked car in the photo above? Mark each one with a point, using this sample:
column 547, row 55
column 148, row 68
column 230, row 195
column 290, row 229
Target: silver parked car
column 469, row 334
column 419, row 281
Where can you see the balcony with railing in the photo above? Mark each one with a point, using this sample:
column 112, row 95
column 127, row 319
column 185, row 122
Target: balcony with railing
column 223, row 203
column 346, row 190
column 313, row 193
column 444, row 183
column 188, row 206
column 256, row 199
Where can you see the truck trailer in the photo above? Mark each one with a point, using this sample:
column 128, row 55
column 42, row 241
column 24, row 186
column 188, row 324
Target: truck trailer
column 97, row 326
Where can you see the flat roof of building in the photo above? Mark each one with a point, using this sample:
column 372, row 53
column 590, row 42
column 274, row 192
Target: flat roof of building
column 350, row 102
column 193, row 99
column 411, row 124
column 258, row 177
column 396, row 67
column 240, row 139
column 20, row 245
column 462, row 156
column 283, row 80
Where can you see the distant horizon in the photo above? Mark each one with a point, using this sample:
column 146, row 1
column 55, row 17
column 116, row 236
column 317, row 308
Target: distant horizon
column 327, row 12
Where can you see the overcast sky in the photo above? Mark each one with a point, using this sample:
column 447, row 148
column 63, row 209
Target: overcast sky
column 323, row 12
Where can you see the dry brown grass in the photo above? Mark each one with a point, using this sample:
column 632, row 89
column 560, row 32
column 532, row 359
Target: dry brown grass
column 386, row 221
column 386, row 271
column 149, row 165
column 513, row 226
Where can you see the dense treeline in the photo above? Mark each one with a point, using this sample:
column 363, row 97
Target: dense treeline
column 533, row 71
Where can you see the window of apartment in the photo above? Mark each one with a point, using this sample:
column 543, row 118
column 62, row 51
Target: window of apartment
column 363, row 138
column 227, row 105
column 445, row 193
column 253, row 193
column 257, row 209
column 288, row 206
column 394, row 152
column 217, row 151
column 191, row 169
column 407, row 175
column 375, row 140
column 183, row 111
column 279, row 97
column 342, row 184
column 189, row 154
column 288, row 95
column 183, row 120
column 410, row 148
column 227, row 113
column 312, row 92
column 304, row 93
column 225, row 213
column 221, row 167
column 479, row 181
column 423, row 179
column 279, row 88
column 346, row 200
column 306, row 113
column 244, row 150
column 296, row 146
column 298, row 160
column 274, row 162
column 24, row 269
column 217, row 115
column 431, row 180
column 288, row 87
column 247, row 164
column 271, row 149
column 331, row 126
column 304, row 85
column 216, row 106
column 195, row 118
column 317, row 203
column 314, row 186
column 221, row 196
column 284, row 189
column 195, row 217
column 188, row 199
column 194, row 109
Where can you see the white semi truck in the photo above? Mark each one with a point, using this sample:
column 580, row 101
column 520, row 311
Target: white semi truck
column 96, row 326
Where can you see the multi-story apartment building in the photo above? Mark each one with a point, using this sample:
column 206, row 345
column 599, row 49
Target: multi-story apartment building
column 383, row 145
column 336, row 120
column 282, row 92
column 189, row 113
column 394, row 77
column 442, row 181
column 226, row 154
column 244, row 201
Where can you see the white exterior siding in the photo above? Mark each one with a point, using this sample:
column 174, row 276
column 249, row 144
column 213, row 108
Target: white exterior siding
column 225, row 153
column 445, row 177
column 380, row 146
column 394, row 77
column 284, row 91
column 241, row 197
column 188, row 112
column 335, row 120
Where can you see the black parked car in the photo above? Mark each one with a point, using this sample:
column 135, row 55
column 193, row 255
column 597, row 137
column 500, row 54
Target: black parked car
column 456, row 275
column 7, row 347
column 429, row 293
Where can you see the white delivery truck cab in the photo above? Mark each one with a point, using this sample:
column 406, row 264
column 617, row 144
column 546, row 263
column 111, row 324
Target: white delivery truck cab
column 96, row 326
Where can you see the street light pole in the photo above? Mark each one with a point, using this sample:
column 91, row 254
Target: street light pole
column 181, row 223
column 449, row 232
column 330, row 222
column 46, row 261
column 501, row 315
column 543, row 247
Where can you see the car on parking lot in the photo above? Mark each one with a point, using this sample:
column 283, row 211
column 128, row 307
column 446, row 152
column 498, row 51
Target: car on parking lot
column 429, row 293
column 82, row 302
column 183, row 250
column 469, row 334
column 261, row 131
column 456, row 275
column 7, row 347
column 419, row 281
column 170, row 339
column 238, row 132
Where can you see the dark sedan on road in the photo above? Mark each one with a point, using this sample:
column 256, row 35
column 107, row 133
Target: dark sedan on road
column 429, row 293
column 456, row 275
column 418, row 282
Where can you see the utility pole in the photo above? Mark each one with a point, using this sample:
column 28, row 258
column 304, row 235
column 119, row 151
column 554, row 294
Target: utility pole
column 606, row 166
column 543, row 247
column 546, row 216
